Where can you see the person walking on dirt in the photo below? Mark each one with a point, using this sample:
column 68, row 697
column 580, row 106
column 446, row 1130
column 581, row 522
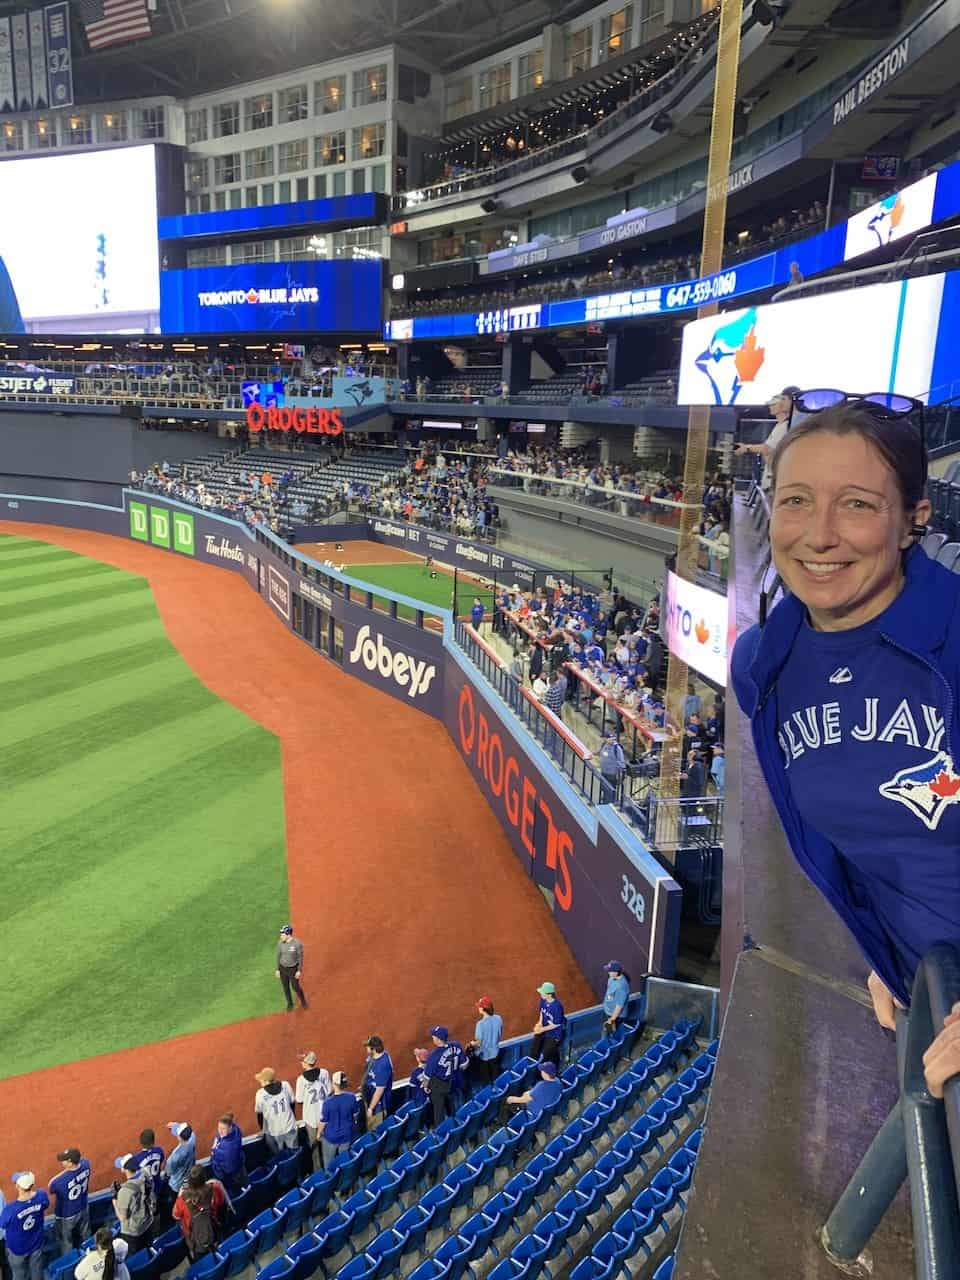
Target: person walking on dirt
column 290, row 966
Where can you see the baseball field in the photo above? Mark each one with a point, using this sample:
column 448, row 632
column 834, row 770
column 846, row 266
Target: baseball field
column 181, row 775
column 137, row 806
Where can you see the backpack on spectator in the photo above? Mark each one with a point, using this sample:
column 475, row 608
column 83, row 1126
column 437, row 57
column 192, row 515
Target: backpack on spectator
column 202, row 1235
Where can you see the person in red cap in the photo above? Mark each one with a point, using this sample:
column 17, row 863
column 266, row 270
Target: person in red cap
column 418, row 1093
column 485, row 1046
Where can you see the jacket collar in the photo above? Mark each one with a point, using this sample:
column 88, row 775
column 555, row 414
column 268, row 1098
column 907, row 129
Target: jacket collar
column 918, row 620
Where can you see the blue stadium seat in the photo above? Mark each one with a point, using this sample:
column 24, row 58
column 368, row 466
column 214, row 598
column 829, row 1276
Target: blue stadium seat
column 558, row 1154
column 262, row 1188
column 432, row 1153
column 409, row 1166
column 488, row 1159
column 664, row 1112
column 369, row 1147
column 414, row 1224
column 523, row 1188
column 534, row 1252
column 269, row 1226
column 477, row 1234
column 512, row 1268
column 609, row 1255
column 392, row 1130
column 665, row 1269
column 238, row 1249
column 412, row 1114
column 360, row 1267
column 640, row 1222
column 573, row 1207
column 171, row 1249
column 307, row 1255
column 474, row 1115
column 279, row 1269
column 598, row 1182
column 462, row 1179
column 212, row 1267
column 447, row 1135
column 321, row 1186
column 345, row 1166
column 64, row 1267
column 294, row 1209
column 438, row 1202
column 693, row 1142
column 361, row 1206
column 387, row 1248
column 143, row 1265
column 333, row 1233
column 245, row 1203
column 386, row 1187
column 288, row 1170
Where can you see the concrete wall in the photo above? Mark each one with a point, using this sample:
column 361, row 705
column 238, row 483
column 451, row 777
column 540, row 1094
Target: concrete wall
column 91, row 447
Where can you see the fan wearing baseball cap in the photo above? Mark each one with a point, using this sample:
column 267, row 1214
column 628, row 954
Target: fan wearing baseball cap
column 274, row 1110
column 550, row 1026
column 486, row 1041
column 21, row 1223
column 418, row 1092
column 442, row 1071
column 338, row 1118
column 545, row 1093
column 312, row 1087
column 69, row 1193
column 616, row 996
column 183, row 1156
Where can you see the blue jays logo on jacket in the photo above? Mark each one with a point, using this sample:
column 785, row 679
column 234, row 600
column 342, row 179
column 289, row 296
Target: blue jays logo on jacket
column 927, row 790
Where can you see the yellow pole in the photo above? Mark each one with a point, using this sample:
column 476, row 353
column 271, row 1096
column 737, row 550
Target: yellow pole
column 698, row 422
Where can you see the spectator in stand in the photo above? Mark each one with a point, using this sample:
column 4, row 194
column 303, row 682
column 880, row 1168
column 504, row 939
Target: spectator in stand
column 544, row 1095
column 692, row 703
column 781, row 408
column 550, row 1026
column 201, row 1209
column 613, row 762
column 616, row 997
column 183, row 1157
column 476, row 614
column 134, row 1202
column 106, row 1260
column 442, row 1071
column 313, row 1086
column 273, row 1106
column 226, row 1156
column 150, row 1158
column 693, row 780
column 377, row 1082
column 486, row 1041
column 21, row 1223
column 69, row 1191
column 338, row 1119
column 718, row 769
column 418, row 1091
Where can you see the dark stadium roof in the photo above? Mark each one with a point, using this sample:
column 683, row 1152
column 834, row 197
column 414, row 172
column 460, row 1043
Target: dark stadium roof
column 202, row 45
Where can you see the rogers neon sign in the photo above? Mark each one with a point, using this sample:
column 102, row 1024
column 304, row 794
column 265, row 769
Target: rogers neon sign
column 325, row 422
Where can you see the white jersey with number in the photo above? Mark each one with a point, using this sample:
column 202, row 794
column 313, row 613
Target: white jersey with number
column 277, row 1110
column 311, row 1094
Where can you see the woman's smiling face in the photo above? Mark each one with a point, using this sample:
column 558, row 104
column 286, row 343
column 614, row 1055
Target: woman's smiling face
column 838, row 528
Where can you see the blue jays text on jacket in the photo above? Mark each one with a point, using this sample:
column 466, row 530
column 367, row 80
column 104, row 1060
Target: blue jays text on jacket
column 922, row 627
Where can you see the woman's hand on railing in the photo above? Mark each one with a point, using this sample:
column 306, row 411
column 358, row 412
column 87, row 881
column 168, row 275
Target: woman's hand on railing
column 884, row 1004
column 942, row 1060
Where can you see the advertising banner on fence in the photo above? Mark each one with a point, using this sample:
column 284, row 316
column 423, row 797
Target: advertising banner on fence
column 395, row 658
column 604, row 901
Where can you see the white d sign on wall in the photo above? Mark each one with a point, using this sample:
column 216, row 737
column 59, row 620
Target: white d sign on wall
column 696, row 627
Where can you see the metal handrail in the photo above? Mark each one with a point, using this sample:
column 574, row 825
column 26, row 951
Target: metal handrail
column 919, row 1140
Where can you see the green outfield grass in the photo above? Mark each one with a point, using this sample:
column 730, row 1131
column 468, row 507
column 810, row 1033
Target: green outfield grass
column 142, row 846
column 414, row 580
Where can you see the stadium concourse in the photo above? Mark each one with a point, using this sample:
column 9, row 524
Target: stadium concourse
column 382, row 820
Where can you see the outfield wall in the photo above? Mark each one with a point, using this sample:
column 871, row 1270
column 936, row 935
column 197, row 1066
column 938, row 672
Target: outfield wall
column 608, row 895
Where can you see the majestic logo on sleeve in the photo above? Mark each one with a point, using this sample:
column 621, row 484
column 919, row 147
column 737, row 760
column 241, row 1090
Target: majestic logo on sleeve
column 927, row 790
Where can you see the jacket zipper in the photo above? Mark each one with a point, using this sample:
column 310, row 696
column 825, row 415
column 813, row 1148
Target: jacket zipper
column 948, row 718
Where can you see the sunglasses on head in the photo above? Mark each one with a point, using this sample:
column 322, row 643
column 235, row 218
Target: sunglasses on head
column 881, row 404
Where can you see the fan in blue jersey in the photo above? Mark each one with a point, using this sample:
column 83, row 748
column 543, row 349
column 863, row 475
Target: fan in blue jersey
column 69, row 1191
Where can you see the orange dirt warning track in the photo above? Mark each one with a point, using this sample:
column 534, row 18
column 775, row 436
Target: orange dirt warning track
column 403, row 887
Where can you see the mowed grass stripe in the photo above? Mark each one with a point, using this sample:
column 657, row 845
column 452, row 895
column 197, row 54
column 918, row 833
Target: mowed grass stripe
column 32, row 601
column 93, row 670
column 91, row 833
column 47, row 751
column 91, row 778
column 46, row 555
column 26, row 641
column 141, row 813
column 96, row 646
column 180, row 896
column 67, row 714
column 31, row 576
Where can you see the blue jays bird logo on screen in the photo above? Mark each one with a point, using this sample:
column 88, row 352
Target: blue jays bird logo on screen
column 927, row 790
column 732, row 358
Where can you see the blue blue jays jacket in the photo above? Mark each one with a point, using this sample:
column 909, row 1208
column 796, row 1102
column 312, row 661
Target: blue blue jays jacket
column 922, row 625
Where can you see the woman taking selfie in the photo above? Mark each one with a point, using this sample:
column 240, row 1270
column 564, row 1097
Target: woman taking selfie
column 851, row 687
